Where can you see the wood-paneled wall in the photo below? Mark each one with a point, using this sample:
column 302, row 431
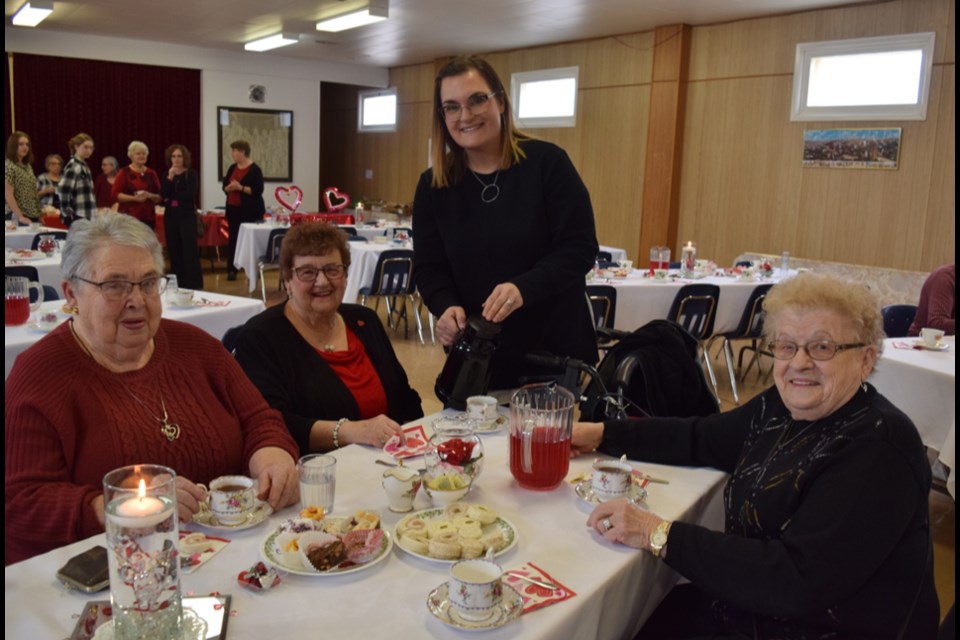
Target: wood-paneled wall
column 742, row 186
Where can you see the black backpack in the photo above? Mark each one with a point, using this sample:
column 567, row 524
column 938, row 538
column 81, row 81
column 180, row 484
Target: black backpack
column 656, row 369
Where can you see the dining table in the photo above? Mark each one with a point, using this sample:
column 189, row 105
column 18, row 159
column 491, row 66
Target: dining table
column 921, row 382
column 215, row 233
column 48, row 267
column 22, row 237
column 616, row 587
column 212, row 312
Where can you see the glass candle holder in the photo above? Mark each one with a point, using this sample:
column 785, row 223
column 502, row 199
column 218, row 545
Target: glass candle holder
column 688, row 259
column 142, row 537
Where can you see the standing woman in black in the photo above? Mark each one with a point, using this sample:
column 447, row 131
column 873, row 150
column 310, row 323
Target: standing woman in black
column 179, row 190
column 243, row 185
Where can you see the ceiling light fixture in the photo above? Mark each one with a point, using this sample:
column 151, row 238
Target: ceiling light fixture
column 32, row 13
column 354, row 19
column 275, row 41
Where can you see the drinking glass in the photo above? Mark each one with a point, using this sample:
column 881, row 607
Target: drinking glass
column 318, row 481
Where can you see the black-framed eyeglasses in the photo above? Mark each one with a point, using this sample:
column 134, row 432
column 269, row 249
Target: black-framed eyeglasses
column 816, row 349
column 477, row 103
column 120, row 289
column 330, row 271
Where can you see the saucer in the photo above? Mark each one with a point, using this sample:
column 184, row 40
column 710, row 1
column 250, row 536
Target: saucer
column 511, row 606
column 941, row 346
column 635, row 493
column 490, row 426
column 257, row 515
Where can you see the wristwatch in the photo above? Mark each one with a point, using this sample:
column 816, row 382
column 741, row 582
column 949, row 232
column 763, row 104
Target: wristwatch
column 658, row 538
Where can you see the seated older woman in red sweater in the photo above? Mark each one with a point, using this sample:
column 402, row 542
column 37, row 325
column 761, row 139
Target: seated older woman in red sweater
column 123, row 386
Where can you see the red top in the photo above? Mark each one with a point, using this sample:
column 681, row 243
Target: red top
column 354, row 368
column 103, row 190
column 129, row 182
column 233, row 198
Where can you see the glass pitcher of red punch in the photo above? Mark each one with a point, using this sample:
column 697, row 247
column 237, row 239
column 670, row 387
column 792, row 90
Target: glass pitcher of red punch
column 541, row 424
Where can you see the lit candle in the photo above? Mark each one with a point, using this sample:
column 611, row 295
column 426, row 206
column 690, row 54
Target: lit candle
column 142, row 511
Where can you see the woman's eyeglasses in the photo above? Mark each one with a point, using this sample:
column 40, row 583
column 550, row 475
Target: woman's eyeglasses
column 330, row 271
column 119, row 289
column 816, row 349
column 477, row 103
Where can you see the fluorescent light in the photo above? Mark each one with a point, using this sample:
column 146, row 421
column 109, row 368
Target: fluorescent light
column 32, row 13
column 353, row 19
column 275, row 41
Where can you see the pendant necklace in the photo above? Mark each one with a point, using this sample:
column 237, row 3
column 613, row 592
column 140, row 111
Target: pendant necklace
column 492, row 187
column 170, row 430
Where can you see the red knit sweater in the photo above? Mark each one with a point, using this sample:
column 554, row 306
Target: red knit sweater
column 69, row 421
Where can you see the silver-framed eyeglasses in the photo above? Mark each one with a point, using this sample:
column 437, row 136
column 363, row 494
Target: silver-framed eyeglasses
column 120, row 289
column 330, row 271
column 816, row 349
column 477, row 103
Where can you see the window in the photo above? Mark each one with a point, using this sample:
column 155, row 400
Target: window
column 546, row 98
column 885, row 78
column 377, row 110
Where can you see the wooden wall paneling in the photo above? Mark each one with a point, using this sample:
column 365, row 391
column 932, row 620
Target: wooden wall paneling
column 939, row 238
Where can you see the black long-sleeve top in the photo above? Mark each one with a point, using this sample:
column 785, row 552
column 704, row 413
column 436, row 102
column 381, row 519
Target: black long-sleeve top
column 827, row 523
column 180, row 193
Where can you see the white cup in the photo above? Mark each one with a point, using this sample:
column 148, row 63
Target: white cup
column 183, row 297
column 475, row 588
column 626, row 264
column 482, row 408
column 931, row 337
column 318, row 480
column 660, row 274
column 231, row 498
column 610, row 479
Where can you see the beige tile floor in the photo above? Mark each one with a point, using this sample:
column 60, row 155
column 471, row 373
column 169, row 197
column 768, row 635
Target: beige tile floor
column 423, row 362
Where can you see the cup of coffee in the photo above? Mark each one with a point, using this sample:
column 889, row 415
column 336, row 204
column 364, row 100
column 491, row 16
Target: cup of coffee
column 931, row 337
column 183, row 297
column 610, row 479
column 483, row 409
column 231, row 498
column 475, row 588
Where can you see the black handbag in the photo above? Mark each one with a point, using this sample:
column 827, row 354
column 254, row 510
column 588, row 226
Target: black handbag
column 201, row 226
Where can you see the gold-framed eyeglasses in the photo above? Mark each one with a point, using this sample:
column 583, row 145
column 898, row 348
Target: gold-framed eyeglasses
column 120, row 289
column 331, row 272
column 477, row 103
column 816, row 349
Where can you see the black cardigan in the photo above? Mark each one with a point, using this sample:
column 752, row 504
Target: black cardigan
column 251, row 206
column 300, row 384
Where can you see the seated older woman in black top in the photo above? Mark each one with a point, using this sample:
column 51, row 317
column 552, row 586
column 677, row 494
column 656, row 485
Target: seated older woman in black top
column 827, row 524
column 328, row 367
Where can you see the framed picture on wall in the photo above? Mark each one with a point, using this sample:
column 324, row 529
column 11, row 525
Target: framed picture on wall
column 852, row 148
column 269, row 133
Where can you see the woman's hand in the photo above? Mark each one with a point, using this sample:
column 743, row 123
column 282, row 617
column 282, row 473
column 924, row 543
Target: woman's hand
column 276, row 473
column 502, row 301
column 189, row 498
column 622, row 521
column 450, row 324
column 586, row 437
column 374, row 432
column 233, row 186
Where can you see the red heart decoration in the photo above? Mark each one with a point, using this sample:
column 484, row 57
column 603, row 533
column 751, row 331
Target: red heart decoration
column 279, row 192
column 334, row 200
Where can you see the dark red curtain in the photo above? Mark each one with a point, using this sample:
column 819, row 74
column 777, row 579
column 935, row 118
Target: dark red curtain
column 115, row 103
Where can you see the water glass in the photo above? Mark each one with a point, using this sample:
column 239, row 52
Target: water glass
column 318, row 480
column 170, row 293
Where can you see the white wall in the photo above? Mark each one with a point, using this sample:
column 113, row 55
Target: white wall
column 292, row 84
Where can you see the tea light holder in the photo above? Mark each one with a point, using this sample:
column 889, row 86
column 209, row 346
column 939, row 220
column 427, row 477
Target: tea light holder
column 688, row 259
column 142, row 536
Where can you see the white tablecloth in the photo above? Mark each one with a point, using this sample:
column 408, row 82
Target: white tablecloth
column 363, row 262
column 48, row 270
column 641, row 299
column 214, row 320
column 617, row 587
column 922, row 384
column 22, row 238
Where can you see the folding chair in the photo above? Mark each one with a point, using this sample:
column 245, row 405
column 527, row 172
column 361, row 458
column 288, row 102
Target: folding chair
column 271, row 259
column 897, row 319
column 694, row 308
column 603, row 307
column 748, row 329
column 393, row 281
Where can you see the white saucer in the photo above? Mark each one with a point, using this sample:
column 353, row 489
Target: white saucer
column 511, row 606
column 941, row 346
column 258, row 514
column 584, row 490
column 490, row 426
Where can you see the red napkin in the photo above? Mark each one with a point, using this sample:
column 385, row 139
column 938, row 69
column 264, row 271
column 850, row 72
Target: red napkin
column 534, row 596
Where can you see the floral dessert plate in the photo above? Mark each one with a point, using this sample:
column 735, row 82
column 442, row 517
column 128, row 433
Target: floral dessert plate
column 27, row 255
column 507, row 529
column 257, row 515
column 274, row 552
column 584, row 490
column 490, row 426
column 511, row 606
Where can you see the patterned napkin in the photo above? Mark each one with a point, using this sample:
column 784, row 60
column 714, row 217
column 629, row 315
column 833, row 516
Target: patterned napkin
column 192, row 556
column 905, row 344
column 534, row 596
column 416, row 443
column 204, row 302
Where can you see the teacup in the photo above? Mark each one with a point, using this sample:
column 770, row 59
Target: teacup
column 931, row 337
column 610, row 478
column 660, row 274
column 626, row 264
column 482, row 408
column 183, row 297
column 231, row 498
column 475, row 588
column 35, row 226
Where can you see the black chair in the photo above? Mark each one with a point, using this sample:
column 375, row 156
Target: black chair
column 675, row 265
column 603, row 304
column 407, row 230
column 231, row 337
column 356, row 239
column 897, row 319
column 50, row 293
column 694, row 308
column 350, row 231
column 751, row 323
column 393, row 281
column 604, row 256
column 271, row 259
column 57, row 235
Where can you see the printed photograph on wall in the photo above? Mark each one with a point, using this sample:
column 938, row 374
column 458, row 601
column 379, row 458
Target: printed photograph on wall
column 269, row 133
column 852, row 148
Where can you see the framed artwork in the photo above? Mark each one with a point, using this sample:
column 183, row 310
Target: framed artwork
column 269, row 133
column 852, row 148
